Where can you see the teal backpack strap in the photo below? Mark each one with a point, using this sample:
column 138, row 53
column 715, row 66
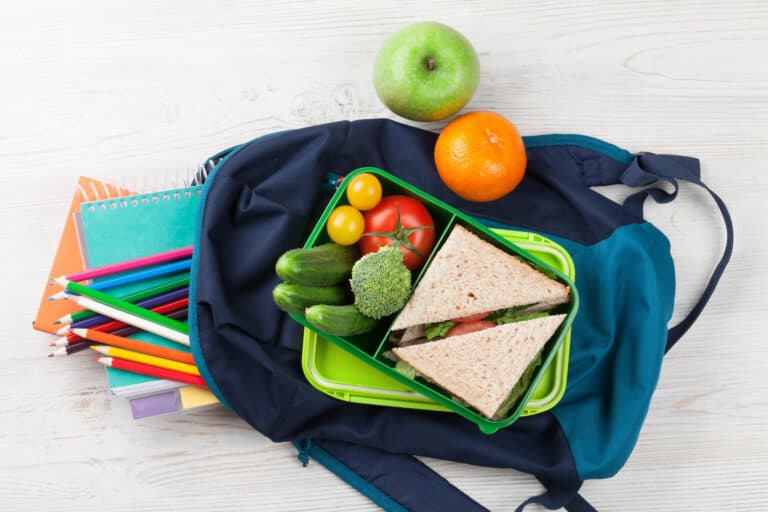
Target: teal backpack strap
column 400, row 482
column 395, row 482
column 648, row 169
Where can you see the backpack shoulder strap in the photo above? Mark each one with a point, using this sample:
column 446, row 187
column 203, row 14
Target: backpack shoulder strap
column 401, row 483
column 395, row 482
column 649, row 169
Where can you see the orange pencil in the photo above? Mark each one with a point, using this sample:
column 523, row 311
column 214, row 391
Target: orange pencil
column 135, row 345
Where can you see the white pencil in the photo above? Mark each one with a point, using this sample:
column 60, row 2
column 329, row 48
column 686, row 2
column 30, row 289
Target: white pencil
column 127, row 318
column 63, row 331
column 61, row 342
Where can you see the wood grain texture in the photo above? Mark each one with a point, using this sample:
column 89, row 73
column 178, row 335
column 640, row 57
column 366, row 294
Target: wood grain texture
column 137, row 92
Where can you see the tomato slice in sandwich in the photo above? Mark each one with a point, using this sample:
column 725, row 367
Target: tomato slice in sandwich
column 467, row 327
column 471, row 318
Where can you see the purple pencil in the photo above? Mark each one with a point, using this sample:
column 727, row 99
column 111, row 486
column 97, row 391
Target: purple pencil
column 70, row 349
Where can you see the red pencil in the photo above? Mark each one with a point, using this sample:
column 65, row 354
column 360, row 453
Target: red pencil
column 152, row 371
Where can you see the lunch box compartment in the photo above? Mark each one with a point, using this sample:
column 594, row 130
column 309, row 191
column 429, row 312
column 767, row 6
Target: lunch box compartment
column 366, row 345
column 336, row 373
column 370, row 347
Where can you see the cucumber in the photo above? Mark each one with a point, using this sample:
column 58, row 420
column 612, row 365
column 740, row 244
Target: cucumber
column 339, row 320
column 295, row 298
column 324, row 265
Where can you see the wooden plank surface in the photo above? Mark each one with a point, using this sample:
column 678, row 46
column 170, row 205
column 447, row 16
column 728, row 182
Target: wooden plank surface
column 138, row 92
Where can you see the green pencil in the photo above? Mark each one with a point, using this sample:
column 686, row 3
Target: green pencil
column 127, row 307
column 159, row 289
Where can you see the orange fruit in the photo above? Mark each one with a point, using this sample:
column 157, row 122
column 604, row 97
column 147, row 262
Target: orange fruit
column 480, row 156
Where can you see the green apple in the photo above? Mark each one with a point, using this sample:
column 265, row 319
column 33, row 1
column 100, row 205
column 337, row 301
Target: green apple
column 426, row 72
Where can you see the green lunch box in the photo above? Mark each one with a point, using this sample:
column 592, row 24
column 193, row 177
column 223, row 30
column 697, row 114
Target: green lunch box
column 370, row 347
column 341, row 375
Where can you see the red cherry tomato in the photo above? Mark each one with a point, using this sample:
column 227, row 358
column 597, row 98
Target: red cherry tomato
column 471, row 318
column 402, row 221
column 469, row 327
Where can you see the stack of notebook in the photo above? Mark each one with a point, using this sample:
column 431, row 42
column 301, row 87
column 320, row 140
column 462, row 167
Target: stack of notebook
column 107, row 225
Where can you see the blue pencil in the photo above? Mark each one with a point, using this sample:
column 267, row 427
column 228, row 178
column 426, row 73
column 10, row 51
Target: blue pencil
column 130, row 277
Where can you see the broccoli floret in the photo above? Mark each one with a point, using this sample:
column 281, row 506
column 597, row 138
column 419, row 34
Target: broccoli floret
column 381, row 283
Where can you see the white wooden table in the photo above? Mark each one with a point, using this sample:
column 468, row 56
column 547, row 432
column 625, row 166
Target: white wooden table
column 137, row 92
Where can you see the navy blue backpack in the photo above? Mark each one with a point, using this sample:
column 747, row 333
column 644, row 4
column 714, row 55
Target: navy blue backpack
column 262, row 198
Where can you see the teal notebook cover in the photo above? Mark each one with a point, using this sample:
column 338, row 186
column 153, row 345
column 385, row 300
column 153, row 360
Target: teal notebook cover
column 131, row 227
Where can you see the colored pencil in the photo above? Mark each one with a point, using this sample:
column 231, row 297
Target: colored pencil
column 130, row 314
column 175, row 267
column 154, row 291
column 127, row 330
column 114, row 327
column 125, row 266
column 113, row 302
column 152, row 371
column 69, row 339
column 138, row 357
column 71, row 349
column 161, row 307
column 135, row 345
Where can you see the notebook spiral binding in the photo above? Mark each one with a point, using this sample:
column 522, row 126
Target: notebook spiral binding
column 174, row 194
column 104, row 190
column 202, row 173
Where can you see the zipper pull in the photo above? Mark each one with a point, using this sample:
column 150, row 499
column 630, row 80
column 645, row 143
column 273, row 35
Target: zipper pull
column 331, row 181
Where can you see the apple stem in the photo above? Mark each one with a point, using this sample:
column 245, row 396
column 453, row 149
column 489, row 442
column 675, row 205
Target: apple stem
column 431, row 64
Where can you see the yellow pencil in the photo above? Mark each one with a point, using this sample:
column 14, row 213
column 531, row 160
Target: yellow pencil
column 138, row 357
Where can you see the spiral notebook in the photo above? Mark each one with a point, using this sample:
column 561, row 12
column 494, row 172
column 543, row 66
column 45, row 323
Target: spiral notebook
column 131, row 227
column 69, row 256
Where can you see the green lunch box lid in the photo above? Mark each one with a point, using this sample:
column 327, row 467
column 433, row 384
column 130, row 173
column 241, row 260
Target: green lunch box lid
column 341, row 375
column 370, row 348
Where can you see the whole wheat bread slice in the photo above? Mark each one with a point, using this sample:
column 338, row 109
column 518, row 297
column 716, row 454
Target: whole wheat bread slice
column 482, row 367
column 469, row 276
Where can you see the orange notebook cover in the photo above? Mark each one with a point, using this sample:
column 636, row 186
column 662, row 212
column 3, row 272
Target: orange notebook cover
column 69, row 257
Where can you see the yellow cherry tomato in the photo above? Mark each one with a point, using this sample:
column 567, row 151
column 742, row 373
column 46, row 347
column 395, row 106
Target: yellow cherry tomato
column 345, row 225
column 364, row 191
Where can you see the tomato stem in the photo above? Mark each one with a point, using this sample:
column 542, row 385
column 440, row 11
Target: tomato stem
column 399, row 235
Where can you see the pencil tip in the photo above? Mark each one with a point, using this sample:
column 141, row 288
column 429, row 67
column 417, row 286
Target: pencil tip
column 61, row 281
column 50, row 355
